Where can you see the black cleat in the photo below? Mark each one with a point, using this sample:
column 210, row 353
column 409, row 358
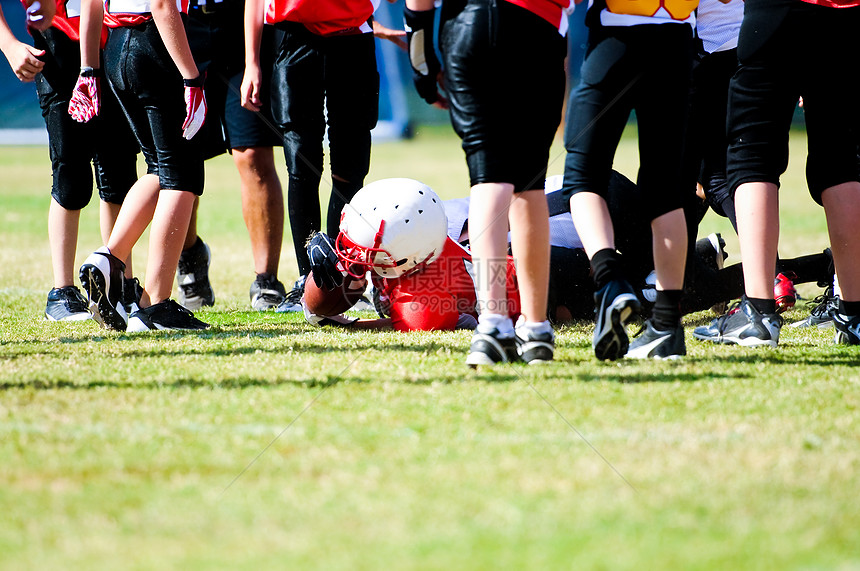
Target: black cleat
column 102, row 280
column 847, row 329
column 167, row 315
column 654, row 344
column 491, row 348
column 192, row 277
column 66, row 304
column 534, row 348
column 267, row 292
column 293, row 301
column 616, row 304
column 743, row 326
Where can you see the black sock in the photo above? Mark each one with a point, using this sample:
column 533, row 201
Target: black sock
column 606, row 266
column 303, row 207
column 763, row 306
column 812, row 268
column 667, row 309
column 851, row 308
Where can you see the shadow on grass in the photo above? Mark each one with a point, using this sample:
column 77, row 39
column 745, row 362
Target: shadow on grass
column 635, row 377
column 244, row 382
column 291, row 340
column 230, row 383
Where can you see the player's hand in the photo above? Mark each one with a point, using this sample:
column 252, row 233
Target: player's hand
column 394, row 36
column 195, row 107
column 24, row 61
column 249, row 92
column 422, row 56
column 326, row 268
column 85, row 102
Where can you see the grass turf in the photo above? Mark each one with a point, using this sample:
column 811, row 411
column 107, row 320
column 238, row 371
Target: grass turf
column 264, row 442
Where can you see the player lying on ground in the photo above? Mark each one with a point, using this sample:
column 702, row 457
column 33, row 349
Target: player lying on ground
column 433, row 287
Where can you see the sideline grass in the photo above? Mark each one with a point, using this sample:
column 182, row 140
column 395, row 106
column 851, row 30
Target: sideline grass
column 265, row 443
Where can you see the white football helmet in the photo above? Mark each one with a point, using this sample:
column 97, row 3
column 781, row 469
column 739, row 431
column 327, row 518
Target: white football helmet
column 391, row 226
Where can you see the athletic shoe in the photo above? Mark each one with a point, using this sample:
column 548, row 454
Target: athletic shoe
column 293, row 301
column 267, row 292
column 101, row 278
column 166, row 315
column 784, row 292
column 66, row 304
column 745, row 326
column 712, row 249
column 847, row 329
column 192, row 277
column 825, row 308
column 616, row 304
column 490, row 348
column 654, row 344
column 534, row 348
column 131, row 293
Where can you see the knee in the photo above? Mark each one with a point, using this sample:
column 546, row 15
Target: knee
column 73, row 188
column 255, row 162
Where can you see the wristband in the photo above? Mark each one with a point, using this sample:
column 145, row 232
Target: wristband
column 196, row 82
column 90, row 72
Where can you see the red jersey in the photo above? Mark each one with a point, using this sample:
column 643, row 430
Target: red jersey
column 553, row 11
column 122, row 13
column 834, row 3
column 324, row 17
column 68, row 20
column 435, row 297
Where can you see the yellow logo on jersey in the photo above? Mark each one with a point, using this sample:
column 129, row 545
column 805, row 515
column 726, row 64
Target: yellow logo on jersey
column 677, row 9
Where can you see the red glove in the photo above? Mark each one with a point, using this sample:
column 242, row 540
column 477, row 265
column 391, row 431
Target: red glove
column 195, row 107
column 85, row 102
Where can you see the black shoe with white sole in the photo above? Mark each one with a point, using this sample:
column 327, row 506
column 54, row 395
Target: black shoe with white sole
column 652, row 343
column 534, row 348
column 167, row 315
column 616, row 304
column 66, row 304
column 744, row 326
column 847, row 329
column 491, row 348
column 102, row 280
column 192, row 277
column 267, row 292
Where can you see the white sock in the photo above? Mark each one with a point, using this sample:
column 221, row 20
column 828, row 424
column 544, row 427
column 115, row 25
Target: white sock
column 534, row 326
column 489, row 321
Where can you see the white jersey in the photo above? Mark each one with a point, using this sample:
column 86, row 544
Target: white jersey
column 562, row 232
column 718, row 24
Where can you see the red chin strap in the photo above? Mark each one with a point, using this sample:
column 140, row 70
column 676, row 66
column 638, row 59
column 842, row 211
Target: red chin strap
column 357, row 259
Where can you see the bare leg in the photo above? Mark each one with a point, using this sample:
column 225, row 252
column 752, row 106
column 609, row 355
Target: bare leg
column 191, row 235
column 757, row 207
column 593, row 223
column 108, row 213
column 134, row 216
column 670, row 249
column 169, row 226
column 842, row 207
column 262, row 205
column 63, row 237
column 529, row 219
column 488, row 230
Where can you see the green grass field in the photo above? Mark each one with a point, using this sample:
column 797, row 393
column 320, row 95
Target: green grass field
column 266, row 443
